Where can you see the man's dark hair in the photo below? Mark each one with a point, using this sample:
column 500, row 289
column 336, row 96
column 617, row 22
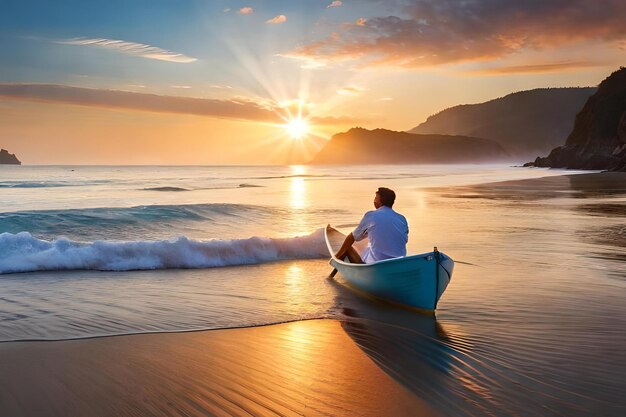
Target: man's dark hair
column 387, row 196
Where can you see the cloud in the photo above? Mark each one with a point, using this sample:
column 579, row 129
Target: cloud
column 131, row 48
column 246, row 10
column 535, row 68
column 351, row 91
column 338, row 120
column 427, row 32
column 335, row 3
column 52, row 93
column 281, row 18
column 181, row 86
column 226, row 10
column 240, row 108
column 361, row 21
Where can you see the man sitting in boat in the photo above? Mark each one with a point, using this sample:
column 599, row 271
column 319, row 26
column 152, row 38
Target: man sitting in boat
column 387, row 231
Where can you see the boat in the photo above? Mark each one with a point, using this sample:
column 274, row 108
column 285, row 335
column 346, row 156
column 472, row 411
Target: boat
column 415, row 281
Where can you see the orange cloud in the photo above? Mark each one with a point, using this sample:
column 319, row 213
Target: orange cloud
column 276, row 20
column 446, row 31
column 236, row 109
column 246, row 10
column 534, row 68
column 240, row 108
column 338, row 120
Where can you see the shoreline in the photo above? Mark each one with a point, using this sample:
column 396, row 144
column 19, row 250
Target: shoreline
column 599, row 182
column 153, row 332
column 299, row 368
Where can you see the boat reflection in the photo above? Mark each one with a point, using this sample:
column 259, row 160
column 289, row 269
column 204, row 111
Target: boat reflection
column 416, row 350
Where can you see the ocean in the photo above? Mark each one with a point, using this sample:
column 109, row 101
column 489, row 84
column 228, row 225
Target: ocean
column 532, row 322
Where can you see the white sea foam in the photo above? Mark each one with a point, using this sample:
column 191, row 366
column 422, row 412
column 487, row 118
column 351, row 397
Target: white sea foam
column 22, row 252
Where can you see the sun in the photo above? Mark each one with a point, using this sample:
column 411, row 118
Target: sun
column 297, row 127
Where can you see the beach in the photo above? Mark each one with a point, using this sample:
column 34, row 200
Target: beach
column 301, row 368
column 118, row 300
column 180, row 181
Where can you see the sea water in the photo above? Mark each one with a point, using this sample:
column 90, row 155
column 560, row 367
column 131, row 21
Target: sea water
column 532, row 322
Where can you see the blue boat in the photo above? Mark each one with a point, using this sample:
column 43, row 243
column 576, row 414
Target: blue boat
column 415, row 281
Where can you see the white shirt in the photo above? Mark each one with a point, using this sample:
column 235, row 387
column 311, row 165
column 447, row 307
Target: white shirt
column 387, row 231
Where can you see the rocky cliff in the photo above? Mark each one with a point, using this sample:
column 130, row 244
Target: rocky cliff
column 8, row 158
column 380, row 146
column 598, row 140
column 525, row 124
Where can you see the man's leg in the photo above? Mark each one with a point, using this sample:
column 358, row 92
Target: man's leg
column 354, row 256
column 347, row 250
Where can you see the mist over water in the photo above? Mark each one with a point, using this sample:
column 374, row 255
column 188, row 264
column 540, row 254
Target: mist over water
column 531, row 324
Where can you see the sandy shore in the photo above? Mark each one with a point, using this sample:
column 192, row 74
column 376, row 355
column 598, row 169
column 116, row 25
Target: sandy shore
column 579, row 185
column 307, row 368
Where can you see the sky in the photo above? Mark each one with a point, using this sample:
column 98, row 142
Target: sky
column 269, row 81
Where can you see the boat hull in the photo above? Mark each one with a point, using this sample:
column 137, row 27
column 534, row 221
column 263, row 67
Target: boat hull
column 416, row 281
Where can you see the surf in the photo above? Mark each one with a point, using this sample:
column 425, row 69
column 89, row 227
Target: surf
column 22, row 252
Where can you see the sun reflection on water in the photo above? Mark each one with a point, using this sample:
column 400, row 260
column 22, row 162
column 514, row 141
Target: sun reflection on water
column 298, row 199
column 298, row 193
column 295, row 288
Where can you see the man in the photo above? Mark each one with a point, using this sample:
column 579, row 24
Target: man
column 387, row 231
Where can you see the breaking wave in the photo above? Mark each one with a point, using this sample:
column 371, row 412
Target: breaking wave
column 22, row 252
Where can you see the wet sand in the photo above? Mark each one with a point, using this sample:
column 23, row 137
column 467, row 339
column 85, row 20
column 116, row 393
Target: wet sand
column 309, row 368
column 603, row 184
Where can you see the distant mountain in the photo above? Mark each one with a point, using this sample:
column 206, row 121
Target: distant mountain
column 598, row 140
column 8, row 158
column 380, row 146
column 526, row 123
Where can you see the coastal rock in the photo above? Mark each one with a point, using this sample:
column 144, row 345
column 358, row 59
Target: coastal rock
column 525, row 124
column 598, row 140
column 381, row 146
column 621, row 129
column 8, row 158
